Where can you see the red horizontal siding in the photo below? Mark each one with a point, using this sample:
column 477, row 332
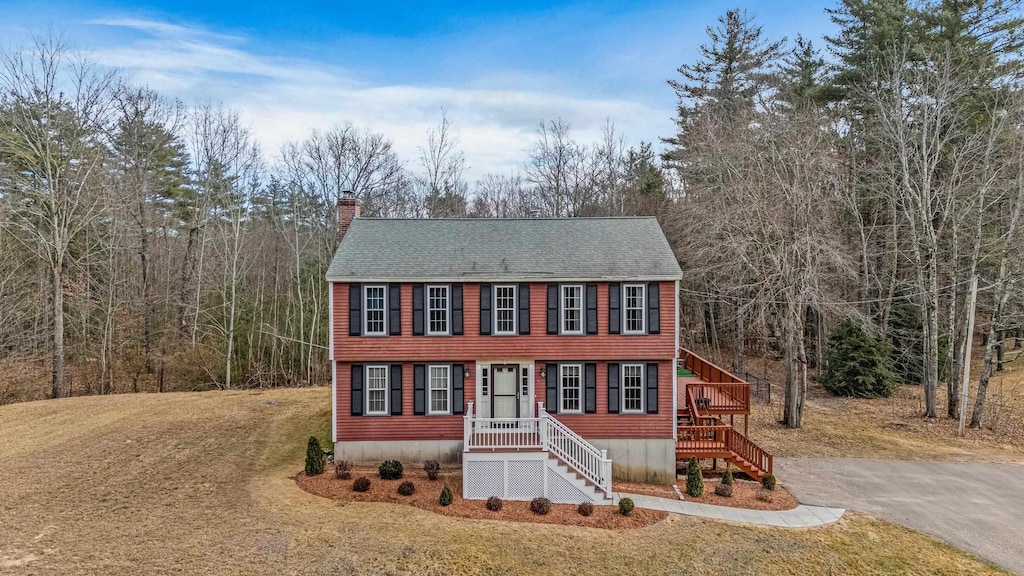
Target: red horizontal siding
column 405, row 427
column 412, row 427
column 472, row 346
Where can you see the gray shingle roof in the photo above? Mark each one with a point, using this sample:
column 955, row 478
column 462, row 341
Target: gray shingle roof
column 504, row 249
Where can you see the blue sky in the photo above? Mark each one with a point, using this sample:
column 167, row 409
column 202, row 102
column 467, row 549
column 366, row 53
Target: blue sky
column 497, row 68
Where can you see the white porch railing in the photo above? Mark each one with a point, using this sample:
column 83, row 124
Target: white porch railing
column 541, row 433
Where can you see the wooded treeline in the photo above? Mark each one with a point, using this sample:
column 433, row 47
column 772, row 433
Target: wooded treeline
column 869, row 181
column 146, row 244
column 149, row 245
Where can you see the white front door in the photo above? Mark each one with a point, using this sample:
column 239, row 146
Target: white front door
column 505, row 391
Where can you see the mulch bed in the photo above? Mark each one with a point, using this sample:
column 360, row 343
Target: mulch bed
column 662, row 490
column 328, row 485
column 744, row 495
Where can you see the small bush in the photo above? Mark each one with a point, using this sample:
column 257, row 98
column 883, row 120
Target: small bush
column 494, row 504
column 446, row 496
column 343, row 469
column 724, row 490
column 585, row 509
column 727, row 477
column 314, row 457
column 540, row 506
column 361, row 484
column 390, row 470
column 765, row 496
column 694, row 479
column 768, row 482
column 432, row 468
column 406, row 488
column 626, row 507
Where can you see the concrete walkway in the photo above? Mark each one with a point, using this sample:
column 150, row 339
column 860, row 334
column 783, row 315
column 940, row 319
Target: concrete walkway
column 799, row 517
column 975, row 506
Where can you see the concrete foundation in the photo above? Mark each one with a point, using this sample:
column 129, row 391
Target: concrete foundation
column 408, row 452
column 640, row 460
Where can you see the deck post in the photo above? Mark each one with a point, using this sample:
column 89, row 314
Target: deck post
column 468, row 428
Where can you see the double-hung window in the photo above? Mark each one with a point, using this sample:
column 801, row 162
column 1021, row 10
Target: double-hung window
column 571, row 381
column 633, row 297
column 505, row 309
column 377, row 390
column 572, row 309
column 440, row 388
column 438, row 310
column 632, row 388
column 374, row 307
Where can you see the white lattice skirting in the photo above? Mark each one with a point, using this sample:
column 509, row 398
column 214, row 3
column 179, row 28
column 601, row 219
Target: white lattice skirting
column 523, row 476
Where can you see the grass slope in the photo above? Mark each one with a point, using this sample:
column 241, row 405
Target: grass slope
column 196, row 483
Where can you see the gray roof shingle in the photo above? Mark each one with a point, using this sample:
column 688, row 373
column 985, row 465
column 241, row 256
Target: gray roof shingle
column 473, row 249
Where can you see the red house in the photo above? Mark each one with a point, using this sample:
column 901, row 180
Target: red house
column 541, row 354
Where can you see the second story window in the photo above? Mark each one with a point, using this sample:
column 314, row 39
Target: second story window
column 374, row 311
column 505, row 309
column 633, row 309
column 437, row 310
column 572, row 309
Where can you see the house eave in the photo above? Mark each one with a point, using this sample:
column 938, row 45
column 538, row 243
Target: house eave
column 496, row 279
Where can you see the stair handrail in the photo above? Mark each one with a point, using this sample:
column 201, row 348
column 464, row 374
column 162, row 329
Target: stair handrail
column 578, row 454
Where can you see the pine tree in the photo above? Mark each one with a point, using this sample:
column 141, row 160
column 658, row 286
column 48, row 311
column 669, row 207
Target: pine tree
column 857, row 363
column 800, row 77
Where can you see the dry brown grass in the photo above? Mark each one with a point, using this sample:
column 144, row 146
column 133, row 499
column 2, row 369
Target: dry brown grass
column 198, row 483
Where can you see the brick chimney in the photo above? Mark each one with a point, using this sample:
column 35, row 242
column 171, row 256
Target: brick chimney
column 348, row 210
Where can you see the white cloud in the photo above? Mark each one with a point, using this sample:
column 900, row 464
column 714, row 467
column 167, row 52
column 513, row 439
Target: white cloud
column 284, row 99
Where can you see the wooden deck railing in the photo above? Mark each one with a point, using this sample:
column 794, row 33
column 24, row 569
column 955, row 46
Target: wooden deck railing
column 705, row 370
column 749, row 451
column 720, row 396
column 723, row 440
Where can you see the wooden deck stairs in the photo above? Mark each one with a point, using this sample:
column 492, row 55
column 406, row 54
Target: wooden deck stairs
column 707, row 394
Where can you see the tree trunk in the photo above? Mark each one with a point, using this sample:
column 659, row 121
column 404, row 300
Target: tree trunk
column 931, row 348
column 738, row 362
column 796, row 387
column 57, row 389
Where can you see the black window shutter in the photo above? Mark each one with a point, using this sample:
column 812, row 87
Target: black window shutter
column 654, row 308
column 485, row 309
column 652, row 388
column 395, row 307
column 457, row 309
column 552, row 308
column 419, row 389
column 357, row 389
column 590, row 385
column 417, row 309
column 524, row 308
column 551, row 388
column 458, row 389
column 591, row 296
column 355, row 309
column 613, row 388
column 395, row 374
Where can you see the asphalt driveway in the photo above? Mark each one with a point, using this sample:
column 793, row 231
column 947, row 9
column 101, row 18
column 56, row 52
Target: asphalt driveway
column 978, row 507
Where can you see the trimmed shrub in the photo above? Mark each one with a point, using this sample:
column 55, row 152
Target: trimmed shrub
column 361, row 484
column 626, row 507
column 857, row 363
column 694, row 479
column 446, row 496
column 768, row 482
column 765, row 496
column 343, row 469
column 390, row 470
column 406, row 488
column 727, row 477
column 540, row 506
column 432, row 468
column 314, row 457
column 494, row 504
column 585, row 509
column 724, row 490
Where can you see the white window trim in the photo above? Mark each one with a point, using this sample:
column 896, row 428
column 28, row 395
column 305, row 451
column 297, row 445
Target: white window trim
column 387, row 390
column 643, row 388
column 447, row 309
column 561, row 388
column 643, row 309
column 561, row 310
column 366, row 318
column 430, row 410
column 515, row 310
